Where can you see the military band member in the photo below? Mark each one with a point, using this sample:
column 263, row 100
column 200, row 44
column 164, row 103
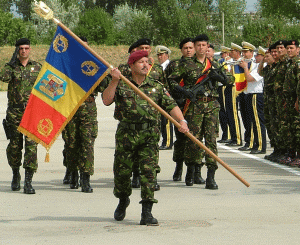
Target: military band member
column 137, row 134
column 20, row 74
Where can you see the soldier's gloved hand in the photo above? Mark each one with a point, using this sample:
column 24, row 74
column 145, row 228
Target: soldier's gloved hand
column 215, row 76
column 186, row 92
column 13, row 59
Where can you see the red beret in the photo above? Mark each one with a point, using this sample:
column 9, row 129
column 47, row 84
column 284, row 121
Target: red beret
column 137, row 55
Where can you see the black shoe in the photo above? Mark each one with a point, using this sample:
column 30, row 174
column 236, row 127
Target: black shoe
column 163, row 147
column 67, row 177
column 223, row 141
column 197, row 175
column 178, row 171
column 74, row 180
column 233, row 143
column 156, row 186
column 85, row 183
column 28, row 189
column 210, row 180
column 120, row 211
column 136, row 180
column 189, row 178
column 244, row 148
column 255, row 151
column 15, row 183
column 146, row 217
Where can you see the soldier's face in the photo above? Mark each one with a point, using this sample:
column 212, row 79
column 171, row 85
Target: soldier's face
column 269, row 58
column 274, row 54
column 210, row 53
column 144, row 48
column 24, row 51
column 292, row 51
column 259, row 58
column 162, row 57
column 140, row 67
column 224, row 55
column 234, row 54
column 281, row 50
column 201, row 47
column 248, row 54
column 188, row 49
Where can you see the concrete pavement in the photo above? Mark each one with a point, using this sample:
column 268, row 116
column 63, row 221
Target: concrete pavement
column 265, row 213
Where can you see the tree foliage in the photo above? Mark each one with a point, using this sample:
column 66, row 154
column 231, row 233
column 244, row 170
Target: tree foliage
column 287, row 8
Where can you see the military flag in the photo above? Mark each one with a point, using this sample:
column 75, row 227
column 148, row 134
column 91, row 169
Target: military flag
column 68, row 76
column 240, row 79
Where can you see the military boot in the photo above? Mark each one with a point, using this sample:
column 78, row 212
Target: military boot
column 67, row 178
column 189, row 178
column 288, row 158
column 85, row 183
column 136, row 180
column 156, row 186
column 197, row 175
column 178, row 171
column 146, row 217
column 15, row 183
column 28, row 189
column 210, row 180
column 120, row 211
column 74, row 180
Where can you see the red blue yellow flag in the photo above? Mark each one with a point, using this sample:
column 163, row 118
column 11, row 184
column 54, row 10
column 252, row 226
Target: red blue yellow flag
column 68, row 76
column 240, row 79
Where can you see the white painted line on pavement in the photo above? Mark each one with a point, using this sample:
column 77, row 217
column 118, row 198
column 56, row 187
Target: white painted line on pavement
column 288, row 169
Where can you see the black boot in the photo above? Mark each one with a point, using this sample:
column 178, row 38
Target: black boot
column 210, row 180
column 27, row 183
column 74, row 180
column 156, row 186
column 178, row 171
column 85, row 186
column 189, row 178
column 147, row 218
column 15, row 183
column 136, row 180
column 67, row 178
column 197, row 176
column 120, row 211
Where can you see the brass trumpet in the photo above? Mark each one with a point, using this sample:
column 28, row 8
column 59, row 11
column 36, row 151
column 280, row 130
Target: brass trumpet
column 236, row 62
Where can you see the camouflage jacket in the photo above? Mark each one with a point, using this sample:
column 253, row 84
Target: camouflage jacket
column 292, row 76
column 20, row 81
column 131, row 108
column 190, row 70
column 279, row 75
column 267, row 74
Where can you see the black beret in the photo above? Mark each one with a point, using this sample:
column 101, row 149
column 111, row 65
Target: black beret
column 83, row 38
column 143, row 41
column 184, row 41
column 22, row 41
column 292, row 42
column 280, row 42
column 132, row 46
column 272, row 46
column 212, row 46
column 202, row 37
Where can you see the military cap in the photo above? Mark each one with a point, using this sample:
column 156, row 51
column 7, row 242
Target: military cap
column 225, row 49
column 248, row 46
column 280, row 42
column 236, row 47
column 211, row 46
column 22, row 41
column 261, row 51
column 200, row 38
column 184, row 41
column 143, row 41
column 292, row 42
column 137, row 55
column 272, row 46
column 132, row 46
column 160, row 49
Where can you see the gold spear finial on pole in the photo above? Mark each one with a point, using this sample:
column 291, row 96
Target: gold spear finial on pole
column 44, row 11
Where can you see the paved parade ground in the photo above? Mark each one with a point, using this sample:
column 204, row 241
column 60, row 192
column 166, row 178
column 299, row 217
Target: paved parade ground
column 268, row 212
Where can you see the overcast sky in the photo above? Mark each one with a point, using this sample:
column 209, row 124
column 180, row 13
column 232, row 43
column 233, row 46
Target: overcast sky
column 251, row 5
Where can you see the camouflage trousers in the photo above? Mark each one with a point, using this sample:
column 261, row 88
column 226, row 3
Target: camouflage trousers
column 136, row 146
column 79, row 137
column 270, row 115
column 15, row 146
column 203, row 123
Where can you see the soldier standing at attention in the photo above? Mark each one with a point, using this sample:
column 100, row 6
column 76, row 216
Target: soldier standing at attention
column 137, row 134
column 20, row 74
column 202, row 114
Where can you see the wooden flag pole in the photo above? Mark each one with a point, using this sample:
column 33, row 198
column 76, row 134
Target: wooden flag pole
column 45, row 12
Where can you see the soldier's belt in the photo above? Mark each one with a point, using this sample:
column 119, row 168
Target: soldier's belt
column 136, row 126
column 19, row 106
column 207, row 99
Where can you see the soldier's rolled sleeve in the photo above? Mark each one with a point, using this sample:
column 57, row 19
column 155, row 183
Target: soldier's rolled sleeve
column 6, row 74
column 168, row 102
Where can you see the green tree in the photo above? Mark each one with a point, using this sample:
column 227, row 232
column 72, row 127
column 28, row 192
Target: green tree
column 97, row 25
column 288, row 8
column 5, row 5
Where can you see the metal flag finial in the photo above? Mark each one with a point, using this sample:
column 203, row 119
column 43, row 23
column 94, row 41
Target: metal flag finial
column 43, row 10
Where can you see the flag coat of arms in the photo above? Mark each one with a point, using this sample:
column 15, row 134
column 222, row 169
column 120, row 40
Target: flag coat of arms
column 240, row 79
column 68, row 76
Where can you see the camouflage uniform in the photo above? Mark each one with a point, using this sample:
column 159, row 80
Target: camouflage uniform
column 202, row 116
column 137, row 136
column 20, row 81
column 79, row 136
